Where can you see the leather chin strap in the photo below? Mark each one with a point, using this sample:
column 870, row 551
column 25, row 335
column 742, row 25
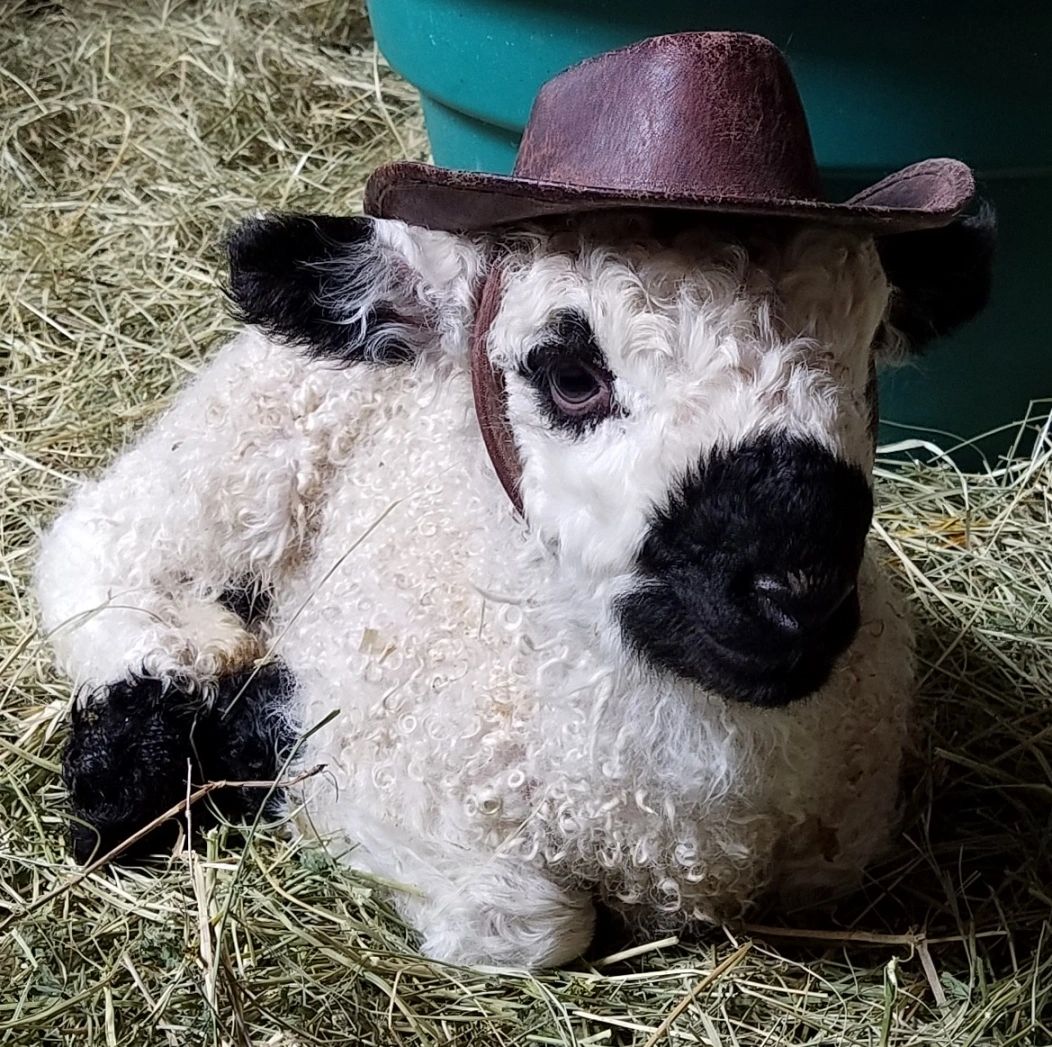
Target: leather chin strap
column 491, row 398
column 487, row 386
column 873, row 399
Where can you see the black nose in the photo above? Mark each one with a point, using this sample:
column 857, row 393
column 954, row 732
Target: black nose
column 747, row 578
column 797, row 603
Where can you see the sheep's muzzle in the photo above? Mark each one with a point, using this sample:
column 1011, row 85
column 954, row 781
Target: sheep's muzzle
column 747, row 579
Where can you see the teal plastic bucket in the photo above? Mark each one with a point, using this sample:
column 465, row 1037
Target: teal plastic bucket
column 883, row 85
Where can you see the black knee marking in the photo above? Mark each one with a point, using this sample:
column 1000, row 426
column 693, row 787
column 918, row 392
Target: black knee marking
column 247, row 737
column 135, row 743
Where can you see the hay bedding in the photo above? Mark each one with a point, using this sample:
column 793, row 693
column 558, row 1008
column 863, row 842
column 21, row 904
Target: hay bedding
column 131, row 135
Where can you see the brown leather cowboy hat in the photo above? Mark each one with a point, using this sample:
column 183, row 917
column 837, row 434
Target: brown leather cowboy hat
column 688, row 122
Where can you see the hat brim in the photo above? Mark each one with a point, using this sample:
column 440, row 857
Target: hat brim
column 925, row 195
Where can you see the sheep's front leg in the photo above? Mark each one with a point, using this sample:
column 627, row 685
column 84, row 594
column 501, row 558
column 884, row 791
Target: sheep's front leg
column 215, row 496
column 132, row 579
column 497, row 912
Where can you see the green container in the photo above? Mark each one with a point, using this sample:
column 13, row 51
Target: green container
column 883, row 85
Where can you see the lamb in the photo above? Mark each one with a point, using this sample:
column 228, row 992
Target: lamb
column 668, row 676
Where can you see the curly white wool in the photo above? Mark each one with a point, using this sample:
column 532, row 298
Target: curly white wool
column 495, row 748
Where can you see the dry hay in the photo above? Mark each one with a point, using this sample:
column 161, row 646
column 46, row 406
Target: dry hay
column 132, row 134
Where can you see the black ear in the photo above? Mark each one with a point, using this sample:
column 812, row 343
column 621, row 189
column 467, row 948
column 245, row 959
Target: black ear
column 316, row 281
column 940, row 278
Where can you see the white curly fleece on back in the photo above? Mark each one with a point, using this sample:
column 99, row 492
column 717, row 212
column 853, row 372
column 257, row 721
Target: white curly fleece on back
column 495, row 748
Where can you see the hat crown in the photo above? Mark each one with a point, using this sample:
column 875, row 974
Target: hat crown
column 674, row 113
column 688, row 123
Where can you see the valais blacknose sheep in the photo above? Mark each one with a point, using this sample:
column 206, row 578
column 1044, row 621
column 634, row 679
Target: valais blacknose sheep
column 675, row 681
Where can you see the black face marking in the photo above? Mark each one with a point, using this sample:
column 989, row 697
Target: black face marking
column 134, row 743
column 941, row 278
column 746, row 582
column 287, row 273
column 570, row 376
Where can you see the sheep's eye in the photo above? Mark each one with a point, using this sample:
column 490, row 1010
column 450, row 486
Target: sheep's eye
column 570, row 375
column 578, row 390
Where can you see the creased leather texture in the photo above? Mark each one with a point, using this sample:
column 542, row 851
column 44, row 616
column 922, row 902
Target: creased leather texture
column 690, row 121
column 683, row 90
column 487, row 386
